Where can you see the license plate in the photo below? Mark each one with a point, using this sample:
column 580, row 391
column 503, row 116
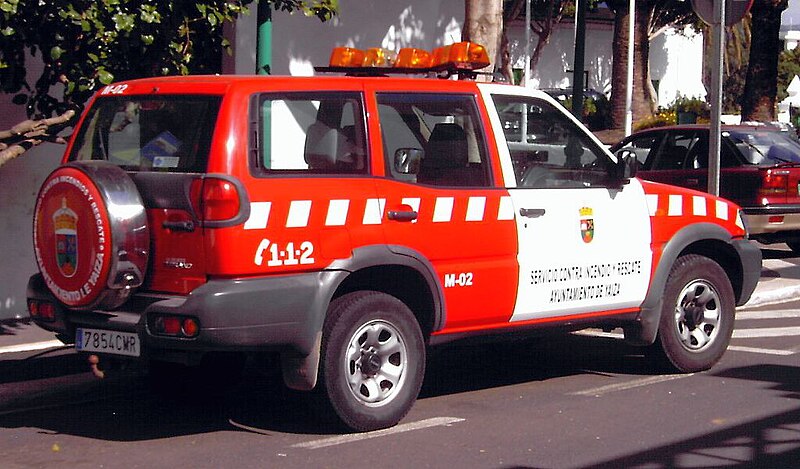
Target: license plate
column 113, row 342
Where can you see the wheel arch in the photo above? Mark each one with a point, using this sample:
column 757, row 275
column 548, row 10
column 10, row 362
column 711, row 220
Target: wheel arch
column 398, row 271
column 705, row 239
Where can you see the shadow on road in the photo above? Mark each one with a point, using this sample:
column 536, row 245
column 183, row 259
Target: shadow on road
column 773, row 441
column 127, row 409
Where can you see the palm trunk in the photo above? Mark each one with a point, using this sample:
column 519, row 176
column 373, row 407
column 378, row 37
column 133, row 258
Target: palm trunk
column 761, row 87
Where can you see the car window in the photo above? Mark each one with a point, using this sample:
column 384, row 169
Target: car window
column 145, row 133
column 697, row 157
column 765, row 147
column 551, row 151
column 642, row 146
column 673, row 151
column 312, row 133
column 433, row 139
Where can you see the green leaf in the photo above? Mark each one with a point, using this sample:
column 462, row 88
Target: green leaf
column 55, row 52
column 104, row 76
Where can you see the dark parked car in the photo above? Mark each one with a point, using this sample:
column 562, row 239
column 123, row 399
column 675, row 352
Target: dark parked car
column 759, row 170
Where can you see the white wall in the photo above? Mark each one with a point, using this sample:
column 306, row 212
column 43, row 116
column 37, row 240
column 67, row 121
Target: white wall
column 300, row 42
column 557, row 56
column 19, row 183
column 677, row 61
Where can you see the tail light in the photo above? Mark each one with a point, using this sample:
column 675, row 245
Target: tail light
column 174, row 326
column 775, row 181
column 215, row 199
column 42, row 310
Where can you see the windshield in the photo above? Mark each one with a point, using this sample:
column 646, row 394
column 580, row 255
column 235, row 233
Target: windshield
column 145, row 133
column 766, row 147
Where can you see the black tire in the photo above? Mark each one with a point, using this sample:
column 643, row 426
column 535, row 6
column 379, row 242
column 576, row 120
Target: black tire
column 373, row 359
column 697, row 317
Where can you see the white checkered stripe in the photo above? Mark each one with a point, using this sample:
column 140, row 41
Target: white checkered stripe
column 339, row 211
column 675, row 205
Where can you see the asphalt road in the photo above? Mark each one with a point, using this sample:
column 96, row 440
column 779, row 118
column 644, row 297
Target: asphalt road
column 581, row 400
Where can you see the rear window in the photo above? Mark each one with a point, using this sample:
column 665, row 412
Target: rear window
column 146, row 133
column 766, row 147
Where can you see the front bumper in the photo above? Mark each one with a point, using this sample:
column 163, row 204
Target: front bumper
column 750, row 256
column 267, row 313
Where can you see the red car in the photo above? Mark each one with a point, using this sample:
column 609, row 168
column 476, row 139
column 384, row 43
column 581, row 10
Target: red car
column 759, row 170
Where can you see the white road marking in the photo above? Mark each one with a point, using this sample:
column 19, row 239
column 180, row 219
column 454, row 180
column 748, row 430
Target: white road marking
column 32, row 346
column 637, row 383
column 776, row 314
column 766, row 332
column 406, row 427
column 765, row 351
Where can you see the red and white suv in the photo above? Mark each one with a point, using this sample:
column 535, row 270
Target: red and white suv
column 349, row 223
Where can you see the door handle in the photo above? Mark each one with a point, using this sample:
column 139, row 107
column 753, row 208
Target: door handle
column 531, row 212
column 692, row 181
column 180, row 225
column 402, row 215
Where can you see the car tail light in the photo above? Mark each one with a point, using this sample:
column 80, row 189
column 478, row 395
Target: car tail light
column 215, row 199
column 42, row 310
column 174, row 326
column 776, row 181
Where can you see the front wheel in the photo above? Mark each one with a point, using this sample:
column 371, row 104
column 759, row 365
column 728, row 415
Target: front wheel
column 373, row 359
column 697, row 317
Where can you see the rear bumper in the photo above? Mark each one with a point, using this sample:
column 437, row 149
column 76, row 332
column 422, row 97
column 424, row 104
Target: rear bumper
column 758, row 218
column 268, row 313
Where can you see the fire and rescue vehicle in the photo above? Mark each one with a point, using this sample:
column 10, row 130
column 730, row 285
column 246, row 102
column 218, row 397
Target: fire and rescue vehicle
column 350, row 223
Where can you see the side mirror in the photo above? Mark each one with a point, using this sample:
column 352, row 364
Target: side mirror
column 407, row 160
column 626, row 167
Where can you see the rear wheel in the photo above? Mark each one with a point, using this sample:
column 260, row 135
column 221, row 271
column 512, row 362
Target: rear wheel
column 697, row 317
column 373, row 359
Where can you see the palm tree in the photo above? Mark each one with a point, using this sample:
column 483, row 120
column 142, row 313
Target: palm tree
column 761, row 86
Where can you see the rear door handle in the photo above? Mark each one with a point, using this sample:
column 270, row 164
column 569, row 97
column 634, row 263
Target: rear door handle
column 402, row 215
column 531, row 212
column 180, row 225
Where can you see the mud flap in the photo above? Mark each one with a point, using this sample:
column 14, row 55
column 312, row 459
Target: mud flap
column 300, row 372
column 644, row 331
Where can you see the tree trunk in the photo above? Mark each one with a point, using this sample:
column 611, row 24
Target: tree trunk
column 644, row 103
column 761, row 85
column 483, row 24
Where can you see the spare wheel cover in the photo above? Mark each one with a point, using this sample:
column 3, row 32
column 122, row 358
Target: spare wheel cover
column 90, row 235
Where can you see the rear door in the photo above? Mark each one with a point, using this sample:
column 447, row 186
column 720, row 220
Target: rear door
column 441, row 202
column 584, row 244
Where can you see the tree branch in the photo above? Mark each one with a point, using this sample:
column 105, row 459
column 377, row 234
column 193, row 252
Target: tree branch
column 27, row 134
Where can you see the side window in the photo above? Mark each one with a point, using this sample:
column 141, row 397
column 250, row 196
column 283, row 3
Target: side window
column 643, row 146
column 433, row 139
column 698, row 154
column 317, row 133
column 674, row 151
column 547, row 149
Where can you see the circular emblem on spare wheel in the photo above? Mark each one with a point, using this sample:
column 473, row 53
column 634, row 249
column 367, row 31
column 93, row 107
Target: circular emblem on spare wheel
column 90, row 235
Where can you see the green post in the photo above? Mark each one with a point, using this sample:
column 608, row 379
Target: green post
column 264, row 67
column 264, row 38
column 578, row 65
